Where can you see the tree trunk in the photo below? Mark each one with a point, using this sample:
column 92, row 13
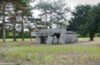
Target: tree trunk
column 30, row 36
column 14, row 30
column 3, row 23
column 46, row 20
column 92, row 34
column 51, row 22
column 22, row 27
column 14, row 26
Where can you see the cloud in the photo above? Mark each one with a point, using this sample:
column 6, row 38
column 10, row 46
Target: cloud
column 73, row 3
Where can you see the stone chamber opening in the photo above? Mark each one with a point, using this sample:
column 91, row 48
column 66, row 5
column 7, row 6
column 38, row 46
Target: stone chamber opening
column 57, row 35
column 43, row 39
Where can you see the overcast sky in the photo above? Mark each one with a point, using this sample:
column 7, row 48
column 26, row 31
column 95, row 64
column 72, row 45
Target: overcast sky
column 71, row 3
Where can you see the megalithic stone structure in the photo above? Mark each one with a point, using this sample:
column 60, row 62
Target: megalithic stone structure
column 56, row 36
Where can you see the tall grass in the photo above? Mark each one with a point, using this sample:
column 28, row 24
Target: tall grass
column 48, row 54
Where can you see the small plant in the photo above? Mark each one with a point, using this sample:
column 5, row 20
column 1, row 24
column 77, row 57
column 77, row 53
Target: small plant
column 48, row 59
column 18, row 64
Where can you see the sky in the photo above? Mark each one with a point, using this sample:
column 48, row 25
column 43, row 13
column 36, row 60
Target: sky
column 70, row 3
column 73, row 3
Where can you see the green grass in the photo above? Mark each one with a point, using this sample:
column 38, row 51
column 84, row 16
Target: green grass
column 47, row 54
column 27, row 39
column 26, row 52
column 87, row 39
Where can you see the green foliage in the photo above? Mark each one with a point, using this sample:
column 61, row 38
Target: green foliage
column 79, row 22
column 15, row 9
column 18, row 64
column 86, row 20
column 98, row 34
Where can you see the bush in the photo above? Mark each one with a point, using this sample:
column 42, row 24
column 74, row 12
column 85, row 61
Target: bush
column 10, row 37
column 82, row 36
column 98, row 34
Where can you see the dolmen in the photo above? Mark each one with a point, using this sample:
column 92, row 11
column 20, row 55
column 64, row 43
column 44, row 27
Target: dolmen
column 56, row 36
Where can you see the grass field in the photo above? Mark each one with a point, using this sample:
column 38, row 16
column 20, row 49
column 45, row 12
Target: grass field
column 29, row 53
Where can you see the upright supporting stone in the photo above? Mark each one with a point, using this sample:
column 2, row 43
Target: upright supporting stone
column 74, row 38
column 62, row 39
column 38, row 40
column 49, row 40
column 55, row 40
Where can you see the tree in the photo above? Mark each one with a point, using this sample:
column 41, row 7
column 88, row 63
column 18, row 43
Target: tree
column 94, row 24
column 3, row 21
column 53, row 12
column 16, row 4
column 78, row 22
column 59, row 13
column 45, row 8
column 85, row 20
